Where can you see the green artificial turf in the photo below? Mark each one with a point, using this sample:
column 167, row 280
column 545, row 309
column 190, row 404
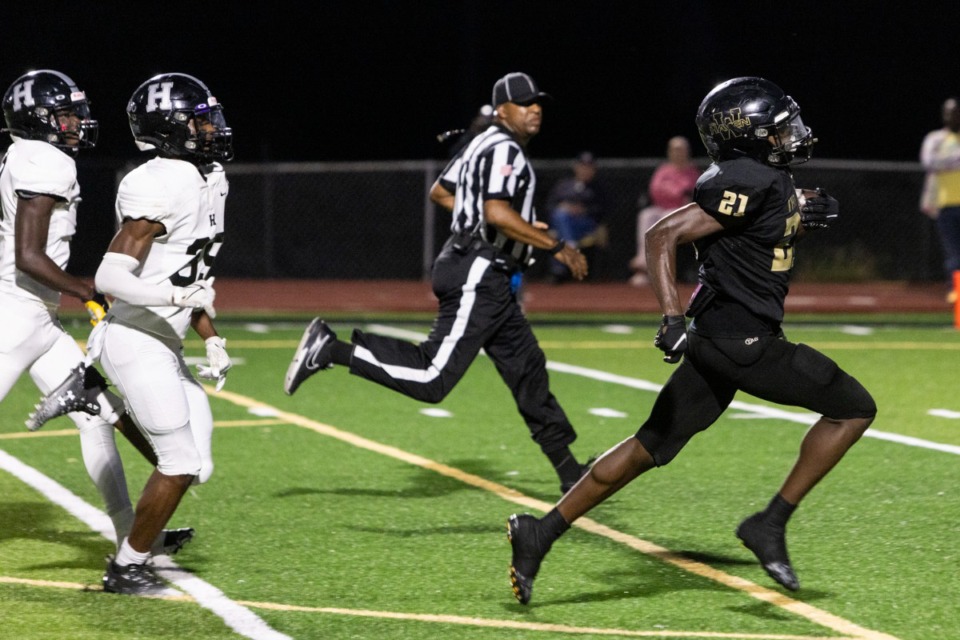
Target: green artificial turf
column 326, row 527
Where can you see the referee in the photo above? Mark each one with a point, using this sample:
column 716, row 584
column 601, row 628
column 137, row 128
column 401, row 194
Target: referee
column 489, row 188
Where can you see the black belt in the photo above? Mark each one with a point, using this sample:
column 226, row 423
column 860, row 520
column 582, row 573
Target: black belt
column 464, row 243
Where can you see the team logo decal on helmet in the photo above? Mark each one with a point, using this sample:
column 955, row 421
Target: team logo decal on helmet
column 729, row 124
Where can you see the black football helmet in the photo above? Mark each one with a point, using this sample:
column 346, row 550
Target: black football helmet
column 177, row 114
column 740, row 116
column 33, row 102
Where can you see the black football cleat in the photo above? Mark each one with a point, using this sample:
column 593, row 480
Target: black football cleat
column 78, row 392
column 769, row 544
column 523, row 532
column 313, row 354
column 134, row 580
column 171, row 541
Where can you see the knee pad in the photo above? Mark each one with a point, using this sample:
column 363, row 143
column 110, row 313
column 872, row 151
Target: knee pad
column 177, row 453
column 663, row 448
column 181, row 465
column 206, row 470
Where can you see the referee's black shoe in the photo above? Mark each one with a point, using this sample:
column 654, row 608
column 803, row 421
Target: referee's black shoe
column 584, row 470
column 313, row 354
column 769, row 544
column 172, row 541
column 523, row 532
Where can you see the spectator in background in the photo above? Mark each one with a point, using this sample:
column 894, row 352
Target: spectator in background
column 671, row 187
column 940, row 156
column 576, row 206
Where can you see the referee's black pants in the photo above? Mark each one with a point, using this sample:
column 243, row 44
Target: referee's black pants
column 477, row 310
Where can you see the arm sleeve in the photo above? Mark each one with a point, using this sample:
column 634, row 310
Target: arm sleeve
column 115, row 277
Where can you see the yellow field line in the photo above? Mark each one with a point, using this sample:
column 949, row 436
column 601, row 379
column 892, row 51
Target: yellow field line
column 490, row 623
column 39, row 434
column 73, row 432
column 802, row 609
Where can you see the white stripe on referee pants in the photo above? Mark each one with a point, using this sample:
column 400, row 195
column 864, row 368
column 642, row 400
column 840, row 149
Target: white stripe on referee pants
column 467, row 299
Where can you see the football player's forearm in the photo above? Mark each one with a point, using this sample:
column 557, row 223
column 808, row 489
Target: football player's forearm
column 115, row 278
column 41, row 268
column 661, row 265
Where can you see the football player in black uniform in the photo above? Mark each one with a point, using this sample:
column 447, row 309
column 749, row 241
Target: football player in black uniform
column 744, row 221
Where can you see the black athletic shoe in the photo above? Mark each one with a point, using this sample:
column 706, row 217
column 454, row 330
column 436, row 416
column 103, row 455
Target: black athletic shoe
column 523, row 532
column 313, row 354
column 77, row 393
column 769, row 544
column 173, row 541
column 134, row 580
column 584, row 470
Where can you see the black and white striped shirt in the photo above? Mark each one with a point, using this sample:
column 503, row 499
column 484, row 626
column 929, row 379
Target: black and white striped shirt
column 492, row 167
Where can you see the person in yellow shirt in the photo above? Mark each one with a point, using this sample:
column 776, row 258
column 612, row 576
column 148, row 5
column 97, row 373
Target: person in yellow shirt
column 940, row 156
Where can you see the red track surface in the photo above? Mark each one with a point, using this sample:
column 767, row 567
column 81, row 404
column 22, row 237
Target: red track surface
column 396, row 295
column 323, row 296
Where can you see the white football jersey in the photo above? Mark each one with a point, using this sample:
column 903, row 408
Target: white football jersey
column 190, row 207
column 37, row 167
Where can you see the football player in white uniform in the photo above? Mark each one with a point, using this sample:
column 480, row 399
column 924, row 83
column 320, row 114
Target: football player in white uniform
column 48, row 118
column 170, row 216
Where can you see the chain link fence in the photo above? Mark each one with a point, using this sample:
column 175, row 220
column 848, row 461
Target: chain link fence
column 374, row 220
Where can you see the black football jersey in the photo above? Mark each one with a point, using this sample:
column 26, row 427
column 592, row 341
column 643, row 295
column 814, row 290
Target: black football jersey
column 747, row 265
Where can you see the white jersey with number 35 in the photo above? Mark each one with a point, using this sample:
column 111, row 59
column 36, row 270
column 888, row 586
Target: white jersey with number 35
column 189, row 203
column 35, row 167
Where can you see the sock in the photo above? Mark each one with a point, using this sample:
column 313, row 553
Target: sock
column 341, row 352
column 102, row 461
column 778, row 511
column 122, row 523
column 552, row 527
column 565, row 464
column 127, row 555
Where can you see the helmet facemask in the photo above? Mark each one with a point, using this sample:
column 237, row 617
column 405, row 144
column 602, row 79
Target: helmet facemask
column 211, row 138
column 792, row 141
column 83, row 135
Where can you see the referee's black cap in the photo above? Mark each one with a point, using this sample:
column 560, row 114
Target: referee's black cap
column 518, row 88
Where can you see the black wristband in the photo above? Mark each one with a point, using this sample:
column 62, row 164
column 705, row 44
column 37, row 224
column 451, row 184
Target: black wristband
column 672, row 320
column 557, row 248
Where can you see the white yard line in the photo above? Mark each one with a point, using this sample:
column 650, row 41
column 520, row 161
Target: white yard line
column 236, row 616
column 645, row 385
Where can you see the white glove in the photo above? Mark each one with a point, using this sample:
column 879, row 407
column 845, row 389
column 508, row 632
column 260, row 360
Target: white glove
column 218, row 362
column 199, row 295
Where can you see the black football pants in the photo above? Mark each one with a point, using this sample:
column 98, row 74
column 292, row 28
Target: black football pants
column 477, row 310
column 771, row 368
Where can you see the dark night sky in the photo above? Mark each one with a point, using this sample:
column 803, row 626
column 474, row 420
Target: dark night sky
column 377, row 80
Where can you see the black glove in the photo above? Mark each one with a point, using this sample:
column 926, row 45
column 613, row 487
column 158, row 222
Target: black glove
column 97, row 307
column 820, row 211
column 672, row 338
